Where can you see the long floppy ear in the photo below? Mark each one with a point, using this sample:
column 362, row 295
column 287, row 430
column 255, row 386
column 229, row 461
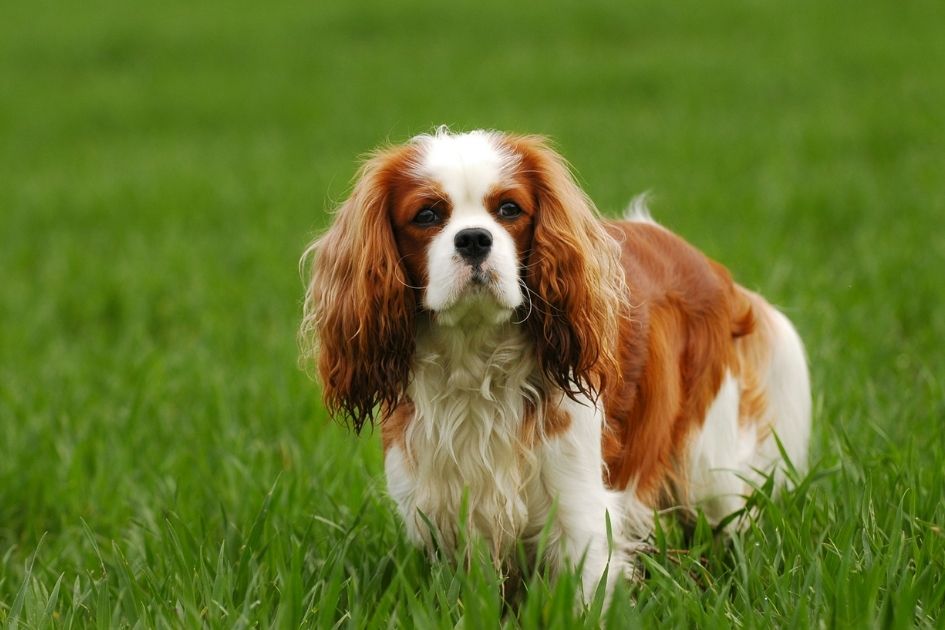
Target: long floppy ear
column 574, row 268
column 358, row 321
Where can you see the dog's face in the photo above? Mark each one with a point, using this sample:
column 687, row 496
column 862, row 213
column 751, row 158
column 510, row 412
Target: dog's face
column 465, row 230
column 463, row 223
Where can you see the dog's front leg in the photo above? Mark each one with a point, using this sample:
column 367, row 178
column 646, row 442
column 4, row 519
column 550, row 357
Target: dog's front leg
column 572, row 475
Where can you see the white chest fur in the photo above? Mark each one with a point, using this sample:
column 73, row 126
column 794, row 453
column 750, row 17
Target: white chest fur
column 471, row 389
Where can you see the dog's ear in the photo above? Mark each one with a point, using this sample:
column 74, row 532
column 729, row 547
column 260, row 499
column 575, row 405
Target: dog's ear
column 574, row 268
column 358, row 322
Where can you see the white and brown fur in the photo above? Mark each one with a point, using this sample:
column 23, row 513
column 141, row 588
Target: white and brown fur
column 605, row 366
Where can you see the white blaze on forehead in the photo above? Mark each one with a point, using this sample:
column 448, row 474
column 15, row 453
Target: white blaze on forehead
column 467, row 165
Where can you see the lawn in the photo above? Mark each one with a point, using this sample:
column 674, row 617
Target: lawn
column 165, row 462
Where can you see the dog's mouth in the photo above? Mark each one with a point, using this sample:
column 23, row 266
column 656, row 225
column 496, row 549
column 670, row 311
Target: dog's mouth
column 480, row 278
column 478, row 300
column 476, row 279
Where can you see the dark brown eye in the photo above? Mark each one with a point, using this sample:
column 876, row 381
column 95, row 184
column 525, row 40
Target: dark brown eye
column 509, row 210
column 426, row 216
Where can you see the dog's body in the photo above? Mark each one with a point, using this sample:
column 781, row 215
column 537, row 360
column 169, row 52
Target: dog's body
column 527, row 355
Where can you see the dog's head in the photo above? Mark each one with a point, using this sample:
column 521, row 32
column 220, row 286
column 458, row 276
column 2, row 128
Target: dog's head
column 473, row 229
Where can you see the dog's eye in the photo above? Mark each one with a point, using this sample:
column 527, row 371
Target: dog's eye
column 509, row 210
column 426, row 216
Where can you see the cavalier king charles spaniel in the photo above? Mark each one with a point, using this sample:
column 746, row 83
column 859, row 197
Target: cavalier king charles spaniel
column 542, row 366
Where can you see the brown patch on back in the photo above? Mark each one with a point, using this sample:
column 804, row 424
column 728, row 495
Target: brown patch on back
column 676, row 345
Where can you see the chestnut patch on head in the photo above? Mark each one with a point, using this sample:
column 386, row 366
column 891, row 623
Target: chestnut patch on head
column 519, row 192
column 418, row 211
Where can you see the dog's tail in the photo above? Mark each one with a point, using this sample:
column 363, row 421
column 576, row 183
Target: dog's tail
column 638, row 209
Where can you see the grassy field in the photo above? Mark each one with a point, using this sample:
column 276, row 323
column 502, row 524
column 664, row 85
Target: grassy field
column 163, row 461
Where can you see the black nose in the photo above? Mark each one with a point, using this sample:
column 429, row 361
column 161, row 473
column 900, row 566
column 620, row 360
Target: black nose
column 473, row 244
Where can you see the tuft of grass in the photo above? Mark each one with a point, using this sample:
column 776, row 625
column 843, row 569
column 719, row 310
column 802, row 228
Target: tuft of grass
column 163, row 461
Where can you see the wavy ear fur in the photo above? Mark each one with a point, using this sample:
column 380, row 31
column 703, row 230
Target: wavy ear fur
column 574, row 268
column 358, row 322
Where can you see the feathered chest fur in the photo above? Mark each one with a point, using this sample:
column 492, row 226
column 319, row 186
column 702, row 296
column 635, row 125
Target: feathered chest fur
column 476, row 397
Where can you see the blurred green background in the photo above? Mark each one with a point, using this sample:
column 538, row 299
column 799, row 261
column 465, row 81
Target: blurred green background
column 162, row 166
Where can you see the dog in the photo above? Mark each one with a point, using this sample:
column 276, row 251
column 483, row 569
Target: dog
column 546, row 365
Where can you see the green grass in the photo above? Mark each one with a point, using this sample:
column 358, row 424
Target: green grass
column 163, row 461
